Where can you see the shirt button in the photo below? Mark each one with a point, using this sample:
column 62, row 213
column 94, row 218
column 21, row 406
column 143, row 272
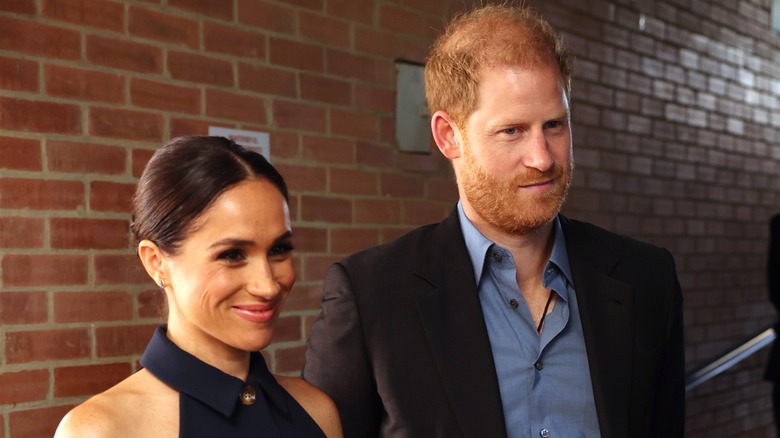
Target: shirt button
column 513, row 303
column 248, row 395
column 497, row 256
column 544, row 433
column 539, row 366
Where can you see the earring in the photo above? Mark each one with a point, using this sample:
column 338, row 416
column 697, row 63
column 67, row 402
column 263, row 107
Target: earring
column 162, row 284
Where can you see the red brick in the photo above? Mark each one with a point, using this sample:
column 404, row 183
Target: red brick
column 354, row 181
column 442, row 189
column 401, row 20
column 327, row 90
column 376, row 155
column 304, row 297
column 92, row 13
column 292, row 115
column 119, row 269
column 230, row 40
column 234, row 106
column 70, row 381
column 19, row 7
column 41, row 195
column 375, row 99
column 264, row 15
column 310, row 239
column 423, row 163
column 125, row 124
column 200, row 69
column 18, row 74
column 424, row 212
column 315, row 5
column 298, row 55
column 92, row 306
column 314, row 267
column 152, row 304
column 304, row 178
column 46, row 345
column 122, row 340
column 37, row 116
column 80, row 233
column 284, row 144
column 165, row 96
column 23, row 307
column 139, row 159
column 287, row 329
column 84, row 84
column 377, row 211
column 378, row 42
column 124, row 55
column 347, row 65
column 49, row 41
column 20, row 154
column 349, row 240
column 326, row 209
column 288, row 360
column 44, row 269
column 209, row 8
column 21, row 232
column 36, row 423
column 402, row 186
column 179, row 127
column 324, row 29
column 167, row 28
column 328, row 150
column 111, row 196
column 66, row 156
column 23, row 386
column 357, row 10
column 267, row 80
column 354, row 124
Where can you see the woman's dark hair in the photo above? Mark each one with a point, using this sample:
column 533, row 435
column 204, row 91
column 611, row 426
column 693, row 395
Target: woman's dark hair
column 183, row 178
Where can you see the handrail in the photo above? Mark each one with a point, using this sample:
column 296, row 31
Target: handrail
column 730, row 358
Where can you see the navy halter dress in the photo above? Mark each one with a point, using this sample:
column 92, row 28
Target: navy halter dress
column 214, row 404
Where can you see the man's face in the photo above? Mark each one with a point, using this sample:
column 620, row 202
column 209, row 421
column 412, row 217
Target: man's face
column 516, row 160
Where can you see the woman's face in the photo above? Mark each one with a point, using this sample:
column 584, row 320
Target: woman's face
column 228, row 282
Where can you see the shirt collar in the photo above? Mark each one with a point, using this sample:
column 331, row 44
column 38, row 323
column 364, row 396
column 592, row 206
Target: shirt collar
column 188, row 374
column 477, row 245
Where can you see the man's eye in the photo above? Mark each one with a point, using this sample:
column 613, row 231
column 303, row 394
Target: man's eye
column 232, row 255
column 510, row 131
column 553, row 124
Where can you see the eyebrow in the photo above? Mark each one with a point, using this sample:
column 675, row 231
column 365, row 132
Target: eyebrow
column 230, row 241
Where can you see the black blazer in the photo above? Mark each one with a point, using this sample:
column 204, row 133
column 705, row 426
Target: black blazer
column 402, row 348
column 773, row 282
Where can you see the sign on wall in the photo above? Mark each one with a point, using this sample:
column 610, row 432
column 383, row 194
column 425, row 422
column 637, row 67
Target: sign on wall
column 253, row 140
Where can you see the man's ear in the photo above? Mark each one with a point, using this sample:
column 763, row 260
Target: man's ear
column 154, row 261
column 446, row 134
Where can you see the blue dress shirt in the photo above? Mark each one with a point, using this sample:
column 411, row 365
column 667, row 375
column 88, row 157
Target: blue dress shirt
column 544, row 380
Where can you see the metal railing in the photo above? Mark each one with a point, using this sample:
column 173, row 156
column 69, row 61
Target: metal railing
column 730, row 358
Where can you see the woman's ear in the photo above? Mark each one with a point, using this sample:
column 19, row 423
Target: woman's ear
column 154, row 262
column 446, row 134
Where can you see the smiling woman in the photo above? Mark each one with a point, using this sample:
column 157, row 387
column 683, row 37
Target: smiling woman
column 213, row 229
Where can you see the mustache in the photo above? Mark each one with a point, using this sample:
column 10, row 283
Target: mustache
column 533, row 176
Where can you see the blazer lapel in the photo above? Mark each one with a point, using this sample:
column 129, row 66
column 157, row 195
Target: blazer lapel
column 455, row 328
column 605, row 309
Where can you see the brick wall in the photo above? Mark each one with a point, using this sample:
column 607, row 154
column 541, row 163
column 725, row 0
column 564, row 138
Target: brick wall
column 677, row 140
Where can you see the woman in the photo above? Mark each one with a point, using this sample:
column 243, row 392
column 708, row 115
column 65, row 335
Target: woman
column 213, row 227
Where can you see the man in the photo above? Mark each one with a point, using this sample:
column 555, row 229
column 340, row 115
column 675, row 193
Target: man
column 506, row 319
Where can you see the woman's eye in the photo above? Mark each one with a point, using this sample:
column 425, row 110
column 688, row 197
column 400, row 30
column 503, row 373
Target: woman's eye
column 280, row 250
column 232, row 255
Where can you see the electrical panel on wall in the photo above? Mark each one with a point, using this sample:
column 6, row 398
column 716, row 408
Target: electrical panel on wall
column 412, row 121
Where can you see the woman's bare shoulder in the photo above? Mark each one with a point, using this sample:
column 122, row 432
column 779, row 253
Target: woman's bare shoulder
column 124, row 410
column 316, row 403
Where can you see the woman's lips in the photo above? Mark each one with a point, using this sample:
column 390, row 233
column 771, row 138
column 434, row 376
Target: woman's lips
column 255, row 313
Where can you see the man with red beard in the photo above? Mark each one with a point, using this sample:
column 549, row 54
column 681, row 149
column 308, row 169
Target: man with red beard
column 507, row 319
